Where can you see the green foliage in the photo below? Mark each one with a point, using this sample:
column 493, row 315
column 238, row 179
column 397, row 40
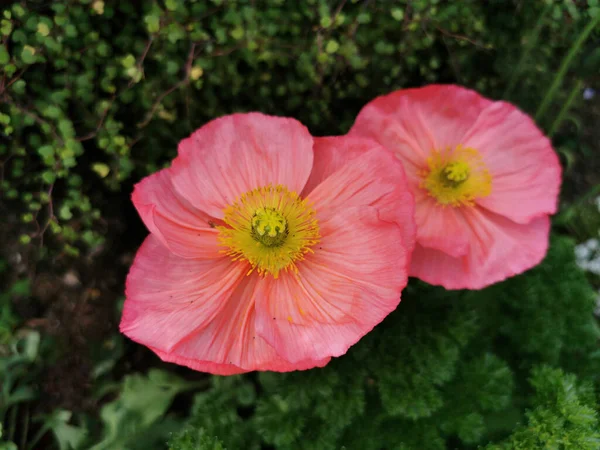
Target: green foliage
column 563, row 415
column 93, row 99
column 195, row 440
column 19, row 366
column 556, row 293
column 131, row 421
column 96, row 94
column 437, row 370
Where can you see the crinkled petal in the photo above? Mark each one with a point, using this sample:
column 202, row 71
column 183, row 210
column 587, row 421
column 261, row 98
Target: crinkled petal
column 525, row 169
column 169, row 297
column 376, row 179
column 499, row 248
column 351, row 282
column 229, row 343
column 331, row 153
column 235, row 154
column 440, row 227
column 184, row 229
column 413, row 122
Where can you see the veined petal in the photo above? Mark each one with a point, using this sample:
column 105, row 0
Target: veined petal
column 376, row 179
column 413, row 122
column 525, row 169
column 168, row 297
column 184, row 229
column 229, row 343
column 351, row 282
column 499, row 248
column 440, row 227
column 238, row 153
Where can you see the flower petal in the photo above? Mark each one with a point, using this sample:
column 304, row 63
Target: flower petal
column 168, row 297
column 351, row 282
column 230, row 344
column 500, row 248
column 235, row 154
column 440, row 227
column 334, row 152
column 525, row 169
column 184, row 229
column 413, row 122
column 375, row 179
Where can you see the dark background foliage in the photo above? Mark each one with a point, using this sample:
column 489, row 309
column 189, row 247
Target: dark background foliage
column 96, row 94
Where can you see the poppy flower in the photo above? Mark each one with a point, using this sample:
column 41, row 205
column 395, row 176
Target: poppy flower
column 268, row 250
column 485, row 181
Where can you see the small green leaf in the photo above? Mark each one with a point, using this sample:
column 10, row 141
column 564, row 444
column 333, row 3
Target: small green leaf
column 46, row 151
column 101, row 169
column 332, row 46
column 4, row 56
column 397, row 14
column 152, row 23
column 237, row 33
column 28, row 54
column 49, row 177
column 43, row 29
column 65, row 212
column 128, row 61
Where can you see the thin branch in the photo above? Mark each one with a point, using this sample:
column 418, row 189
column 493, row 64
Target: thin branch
column 461, row 37
column 51, row 217
column 35, row 117
column 139, row 64
column 184, row 81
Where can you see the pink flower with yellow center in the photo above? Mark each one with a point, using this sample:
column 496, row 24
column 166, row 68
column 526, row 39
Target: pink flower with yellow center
column 268, row 250
column 485, row 181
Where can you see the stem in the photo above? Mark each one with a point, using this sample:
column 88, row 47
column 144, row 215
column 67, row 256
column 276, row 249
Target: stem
column 12, row 422
column 565, row 108
column 41, row 432
column 558, row 79
column 531, row 42
column 25, row 429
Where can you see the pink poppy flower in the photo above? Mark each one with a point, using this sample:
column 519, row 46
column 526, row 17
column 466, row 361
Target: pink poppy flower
column 267, row 251
column 485, row 180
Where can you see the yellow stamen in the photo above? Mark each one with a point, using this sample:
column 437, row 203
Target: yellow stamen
column 270, row 227
column 456, row 176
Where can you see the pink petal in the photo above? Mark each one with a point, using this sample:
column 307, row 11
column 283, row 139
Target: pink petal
column 500, row 248
column 525, row 170
column 334, row 152
column 374, row 179
column 184, row 229
column 440, row 227
column 235, row 154
column 351, row 282
column 169, row 298
column 413, row 122
column 229, row 343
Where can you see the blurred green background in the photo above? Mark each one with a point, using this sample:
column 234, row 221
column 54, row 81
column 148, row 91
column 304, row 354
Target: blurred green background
column 96, row 94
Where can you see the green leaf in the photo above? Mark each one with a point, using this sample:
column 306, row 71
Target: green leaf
column 332, row 46
column 28, row 54
column 48, row 177
column 4, row 56
column 152, row 23
column 143, row 400
column 195, row 440
column 65, row 212
column 398, row 14
column 101, row 169
column 68, row 437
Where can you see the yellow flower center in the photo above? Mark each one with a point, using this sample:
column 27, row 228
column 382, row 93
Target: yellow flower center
column 271, row 228
column 456, row 176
